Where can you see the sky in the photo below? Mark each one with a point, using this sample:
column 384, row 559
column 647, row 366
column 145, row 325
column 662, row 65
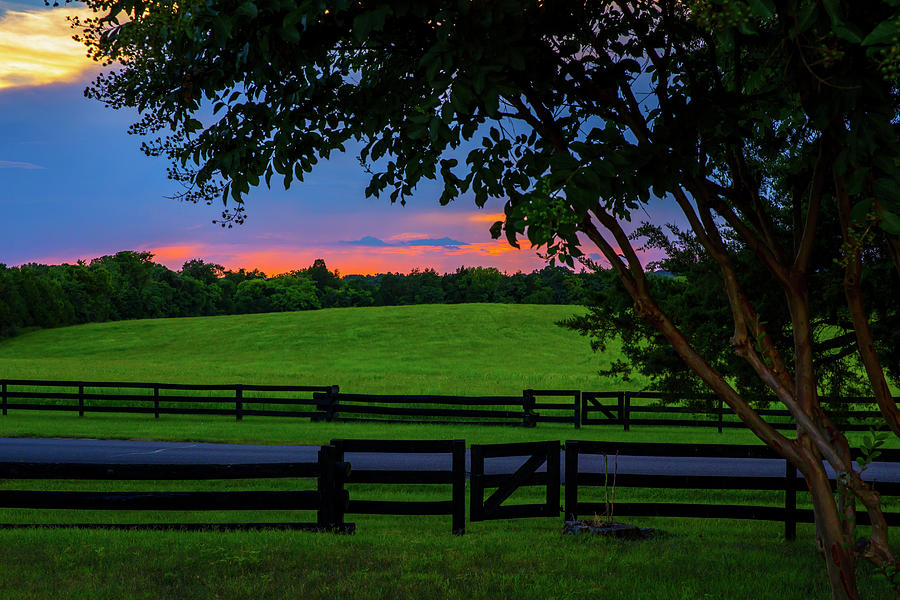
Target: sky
column 74, row 185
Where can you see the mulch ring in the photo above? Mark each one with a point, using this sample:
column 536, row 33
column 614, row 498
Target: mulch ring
column 608, row 529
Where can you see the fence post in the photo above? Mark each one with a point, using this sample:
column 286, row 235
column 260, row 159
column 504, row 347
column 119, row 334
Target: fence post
column 790, row 501
column 342, row 472
column 459, row 486
column 719, row 412
column 238, row 402
column 528, row 408
column 3, row 396
column 341, row 495
column 626, row 410
column 155, row 401
column 577, row 409
column 326, row 516
column 620, row 401
column 80, row 400
column 332, row 402
column 571, row 508
column 553, row 482
column 476, row 484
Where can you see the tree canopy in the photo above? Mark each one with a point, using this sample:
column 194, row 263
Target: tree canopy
column 685, row 282
column 130, row 285
column 770, row 124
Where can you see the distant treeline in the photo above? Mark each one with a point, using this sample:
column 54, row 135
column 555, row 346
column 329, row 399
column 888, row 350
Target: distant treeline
column 129, row 285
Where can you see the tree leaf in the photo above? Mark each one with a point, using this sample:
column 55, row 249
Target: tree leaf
column 847, row 31
column 369, row 21
column 889, row 222
column 833, row 8
column 762, row 8
column 884, row 33
column 886, row 191
column 247, row 9
column 860, row 210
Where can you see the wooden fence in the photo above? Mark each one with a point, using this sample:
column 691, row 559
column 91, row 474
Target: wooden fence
column 648, row 408
column 238, row 400
column 386, row 408
column 455, row 476
column 332, row 501
column 329, row 499
column 790, row 483
column 625, row 409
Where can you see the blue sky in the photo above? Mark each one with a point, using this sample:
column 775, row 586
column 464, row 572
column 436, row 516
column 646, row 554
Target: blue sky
column 76, row 186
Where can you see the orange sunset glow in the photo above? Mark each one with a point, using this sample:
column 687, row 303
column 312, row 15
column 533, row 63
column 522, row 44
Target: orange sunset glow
column 353, row 259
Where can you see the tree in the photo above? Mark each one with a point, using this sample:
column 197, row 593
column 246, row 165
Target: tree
column 773, row 121
column 685, row 282
column 13, row 311
column 204, row 272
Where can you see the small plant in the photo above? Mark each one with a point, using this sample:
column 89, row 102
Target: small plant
column 869, row 448
column 609, row 491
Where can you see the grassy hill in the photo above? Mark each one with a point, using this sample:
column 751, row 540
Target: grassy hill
column 438, row 349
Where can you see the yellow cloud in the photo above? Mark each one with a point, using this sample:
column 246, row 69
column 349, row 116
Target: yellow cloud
column 36, row 48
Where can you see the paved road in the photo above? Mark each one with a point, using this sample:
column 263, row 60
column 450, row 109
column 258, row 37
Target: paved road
column 135, row 452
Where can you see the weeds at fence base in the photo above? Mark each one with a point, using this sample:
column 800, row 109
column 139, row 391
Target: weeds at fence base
column 604, row 528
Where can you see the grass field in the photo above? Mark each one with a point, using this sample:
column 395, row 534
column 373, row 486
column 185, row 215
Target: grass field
column 465, row 349
column 428, row 349
column 694, row 560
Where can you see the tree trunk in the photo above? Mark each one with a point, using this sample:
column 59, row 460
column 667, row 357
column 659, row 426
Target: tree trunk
column 835, row 547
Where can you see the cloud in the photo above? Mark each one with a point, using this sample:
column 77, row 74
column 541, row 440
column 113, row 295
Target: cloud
column 404, row 240
column 444, row 242
column 492, row 248
column 11, row 164
column 405, row 237
column 367, row 240
column 37, row 48
column 450, row 218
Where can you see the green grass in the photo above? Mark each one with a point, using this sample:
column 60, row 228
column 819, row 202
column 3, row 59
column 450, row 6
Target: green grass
column 418, row 558
column 428, row 349
column 263, row 430
column 465, row 349
column 283, row 430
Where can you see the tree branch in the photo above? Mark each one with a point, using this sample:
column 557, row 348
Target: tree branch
column 706, row 231
column 853, row 294
column 749, row 237
column 647, row 308
column 803, row 251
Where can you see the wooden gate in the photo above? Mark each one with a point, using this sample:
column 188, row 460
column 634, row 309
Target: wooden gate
column 606, row 413
column 538, row 454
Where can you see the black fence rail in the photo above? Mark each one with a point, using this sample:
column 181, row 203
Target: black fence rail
column 625, row 409
column 790, row 483
column 329, row 499
column 453, row 474
column 389, row 408
column 550, row 412
column 238, row 400
column 649, row 408
column 526, row 474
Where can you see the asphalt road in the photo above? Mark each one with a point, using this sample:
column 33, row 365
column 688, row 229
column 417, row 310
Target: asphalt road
column 58, row 450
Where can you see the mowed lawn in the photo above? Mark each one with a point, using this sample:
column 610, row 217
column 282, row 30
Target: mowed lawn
column 438, row 349
column 461, row 349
